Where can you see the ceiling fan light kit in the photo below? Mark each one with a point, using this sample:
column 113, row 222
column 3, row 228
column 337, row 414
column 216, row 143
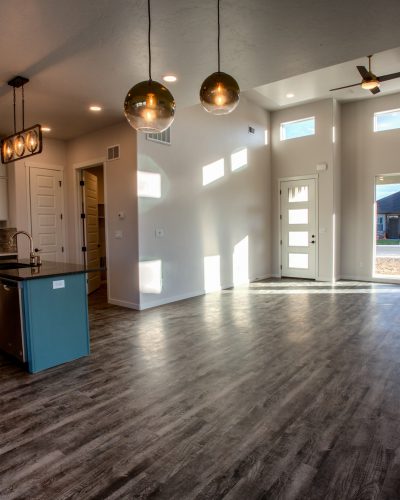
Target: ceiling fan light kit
column 370, row 84
column 370, row 81
column 23, row 143
column 149, row 106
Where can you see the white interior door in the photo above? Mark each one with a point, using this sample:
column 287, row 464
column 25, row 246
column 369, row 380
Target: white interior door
column 298, row 228
column 92, row 240
column 46, row 197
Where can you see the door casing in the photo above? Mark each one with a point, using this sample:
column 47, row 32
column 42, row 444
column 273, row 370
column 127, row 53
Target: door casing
column 299, row 178
column 28, row 167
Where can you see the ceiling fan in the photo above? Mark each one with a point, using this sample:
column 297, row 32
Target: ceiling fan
column 370, row 81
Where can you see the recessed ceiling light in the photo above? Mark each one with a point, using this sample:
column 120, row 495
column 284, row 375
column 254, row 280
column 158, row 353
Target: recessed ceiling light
column 46, row 129
column 169, row 78
column 289, row 95
column 95, row 108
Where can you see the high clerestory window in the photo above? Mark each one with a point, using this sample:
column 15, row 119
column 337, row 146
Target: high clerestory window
column 298, row 128
column 386, row 120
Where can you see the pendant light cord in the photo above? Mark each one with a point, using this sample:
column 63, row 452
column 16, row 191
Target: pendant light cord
column 23, row 108
column 148, row 10
column 219, row 36
column 15, row 120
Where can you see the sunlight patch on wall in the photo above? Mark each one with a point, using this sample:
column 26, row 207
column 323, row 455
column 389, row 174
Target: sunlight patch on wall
column 212, row 279
column 266, row 138
column 150, row 276
column 213, row 171
column 241, row 262
column 239, row 159
column 149, row 184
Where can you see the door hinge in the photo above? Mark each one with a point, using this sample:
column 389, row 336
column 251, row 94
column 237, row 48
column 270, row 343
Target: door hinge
column 60, row 183
column 280, row 217
column 281, row 242
column 62, row 249
column 81, row 183
column 83, row 216
column 61, row 216
column 280, row 191
column 281, row 266
column 83, row 249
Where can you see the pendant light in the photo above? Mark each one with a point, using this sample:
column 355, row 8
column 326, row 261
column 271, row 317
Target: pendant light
column 149, row 106
column 219, row 93
column 26, row 142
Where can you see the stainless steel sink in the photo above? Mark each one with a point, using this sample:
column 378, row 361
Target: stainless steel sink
column 6, row 266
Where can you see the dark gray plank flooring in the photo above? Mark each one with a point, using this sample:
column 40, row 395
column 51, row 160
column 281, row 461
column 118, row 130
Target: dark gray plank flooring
column 282, row 390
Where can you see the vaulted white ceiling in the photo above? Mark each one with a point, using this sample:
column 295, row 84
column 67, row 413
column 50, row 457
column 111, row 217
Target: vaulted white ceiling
column 82, row 52
column 316, row 85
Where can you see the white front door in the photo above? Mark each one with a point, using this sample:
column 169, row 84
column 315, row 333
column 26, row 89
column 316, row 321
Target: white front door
column 92, row 242
column 46, row 200
column 298, row 228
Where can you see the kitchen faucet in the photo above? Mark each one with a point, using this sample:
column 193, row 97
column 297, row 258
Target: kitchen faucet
column 34, row 259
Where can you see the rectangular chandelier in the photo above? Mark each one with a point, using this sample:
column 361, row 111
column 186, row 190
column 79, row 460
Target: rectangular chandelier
column 28, row 141
column 22, row 144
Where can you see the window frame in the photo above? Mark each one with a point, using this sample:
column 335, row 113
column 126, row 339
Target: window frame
column 387, row 111
column 281, row 128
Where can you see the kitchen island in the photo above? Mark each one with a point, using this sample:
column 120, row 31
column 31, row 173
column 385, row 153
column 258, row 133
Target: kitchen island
column 43, row 313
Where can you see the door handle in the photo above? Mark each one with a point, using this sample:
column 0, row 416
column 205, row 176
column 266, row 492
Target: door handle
column 38, row 249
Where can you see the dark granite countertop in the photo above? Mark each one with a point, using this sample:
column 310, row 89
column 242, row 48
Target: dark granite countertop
column 46, row 270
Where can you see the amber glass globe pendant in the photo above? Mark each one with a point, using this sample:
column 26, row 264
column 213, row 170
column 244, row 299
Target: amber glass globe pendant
column 149, row 106
column 219, row 93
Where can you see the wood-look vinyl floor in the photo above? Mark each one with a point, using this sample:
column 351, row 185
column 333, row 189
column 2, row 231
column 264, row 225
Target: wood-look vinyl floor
column 282, row 390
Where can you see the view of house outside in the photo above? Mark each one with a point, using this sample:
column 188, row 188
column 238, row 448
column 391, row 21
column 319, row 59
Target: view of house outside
column 387, row 192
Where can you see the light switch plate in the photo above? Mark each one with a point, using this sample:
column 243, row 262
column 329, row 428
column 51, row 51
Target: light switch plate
column 118, row 235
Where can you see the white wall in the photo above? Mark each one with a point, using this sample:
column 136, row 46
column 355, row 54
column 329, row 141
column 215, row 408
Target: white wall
column 200, row 221
column 337, row 188
column 365, row 154
column 297, row 157
column 120, row 196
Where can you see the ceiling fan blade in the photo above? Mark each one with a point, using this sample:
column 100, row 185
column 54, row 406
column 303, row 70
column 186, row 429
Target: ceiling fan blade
column 375, row 90
column 364, row 72
column 346, row 86
column 384, row 78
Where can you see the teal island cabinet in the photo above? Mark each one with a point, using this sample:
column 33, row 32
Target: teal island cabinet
column 51, row 301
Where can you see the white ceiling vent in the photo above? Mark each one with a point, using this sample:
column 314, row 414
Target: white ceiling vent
column 162, row 137
column 113, row 153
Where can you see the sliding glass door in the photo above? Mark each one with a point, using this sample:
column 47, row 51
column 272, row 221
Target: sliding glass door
column 387, row 226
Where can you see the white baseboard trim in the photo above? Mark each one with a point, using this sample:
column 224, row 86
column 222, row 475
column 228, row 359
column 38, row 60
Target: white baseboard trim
column 190, row 295
column 168, row 300
column 124, row 303
column 367, row 279
column 260, row 278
